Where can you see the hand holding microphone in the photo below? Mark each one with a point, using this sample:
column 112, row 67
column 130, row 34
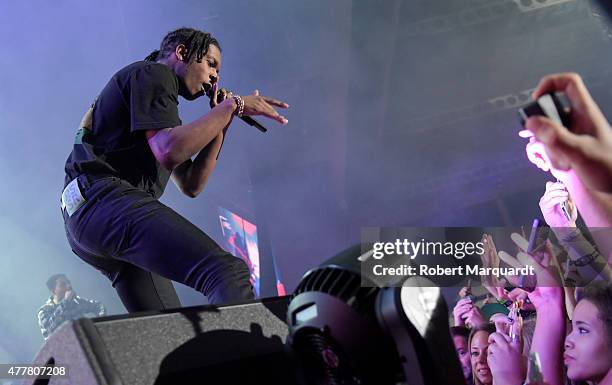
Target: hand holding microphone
column 69, row 294
column 252, row 105
column 221, row 94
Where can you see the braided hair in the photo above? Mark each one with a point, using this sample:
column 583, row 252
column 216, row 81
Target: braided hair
column 195, row 42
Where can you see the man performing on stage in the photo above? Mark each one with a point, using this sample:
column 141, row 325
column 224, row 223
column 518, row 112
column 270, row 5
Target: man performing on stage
column 131, row 141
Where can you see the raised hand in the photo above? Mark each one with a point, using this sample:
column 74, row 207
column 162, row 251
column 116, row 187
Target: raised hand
column 465, row 313
column 504, row 360
column 218, row 95
column 557, row 194
column 254, row 104
column 69, row 294
column 549, row 284
column 263, row 105
column 586, row 146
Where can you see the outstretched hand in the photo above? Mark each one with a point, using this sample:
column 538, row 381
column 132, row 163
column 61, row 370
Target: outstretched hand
column 549, row 284
column 263, row 105
column 254, row 104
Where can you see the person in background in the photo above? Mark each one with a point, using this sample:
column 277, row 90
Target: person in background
column 64, row 305
column 460, row 336
column 588, row 347
column 478, row 343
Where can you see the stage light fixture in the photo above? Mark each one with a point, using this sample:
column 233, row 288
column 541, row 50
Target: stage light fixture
column 344, row 329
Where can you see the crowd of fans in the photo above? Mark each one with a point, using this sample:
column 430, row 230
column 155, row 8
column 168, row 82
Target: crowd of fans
column 559, row 330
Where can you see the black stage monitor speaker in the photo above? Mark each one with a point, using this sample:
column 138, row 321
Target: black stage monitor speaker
column 240, row 344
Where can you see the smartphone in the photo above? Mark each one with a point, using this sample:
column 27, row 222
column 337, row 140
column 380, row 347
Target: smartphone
column 555, row 106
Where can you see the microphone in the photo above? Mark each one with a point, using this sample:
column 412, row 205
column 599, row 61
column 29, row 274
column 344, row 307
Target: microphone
column 247, row 119
column 252, row 122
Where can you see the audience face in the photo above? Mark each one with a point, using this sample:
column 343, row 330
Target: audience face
column 588, row 356
column 461, row 345
column 478, row 353
column 61, row 286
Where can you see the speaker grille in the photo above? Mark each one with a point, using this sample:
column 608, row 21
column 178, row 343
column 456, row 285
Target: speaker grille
column 342, row 284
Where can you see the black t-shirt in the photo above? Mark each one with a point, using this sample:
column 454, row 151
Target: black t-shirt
column 142, row 96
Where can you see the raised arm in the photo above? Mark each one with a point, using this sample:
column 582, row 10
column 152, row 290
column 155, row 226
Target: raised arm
column 174, row 147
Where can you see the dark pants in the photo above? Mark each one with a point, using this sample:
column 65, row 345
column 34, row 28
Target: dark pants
column 141, row 244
